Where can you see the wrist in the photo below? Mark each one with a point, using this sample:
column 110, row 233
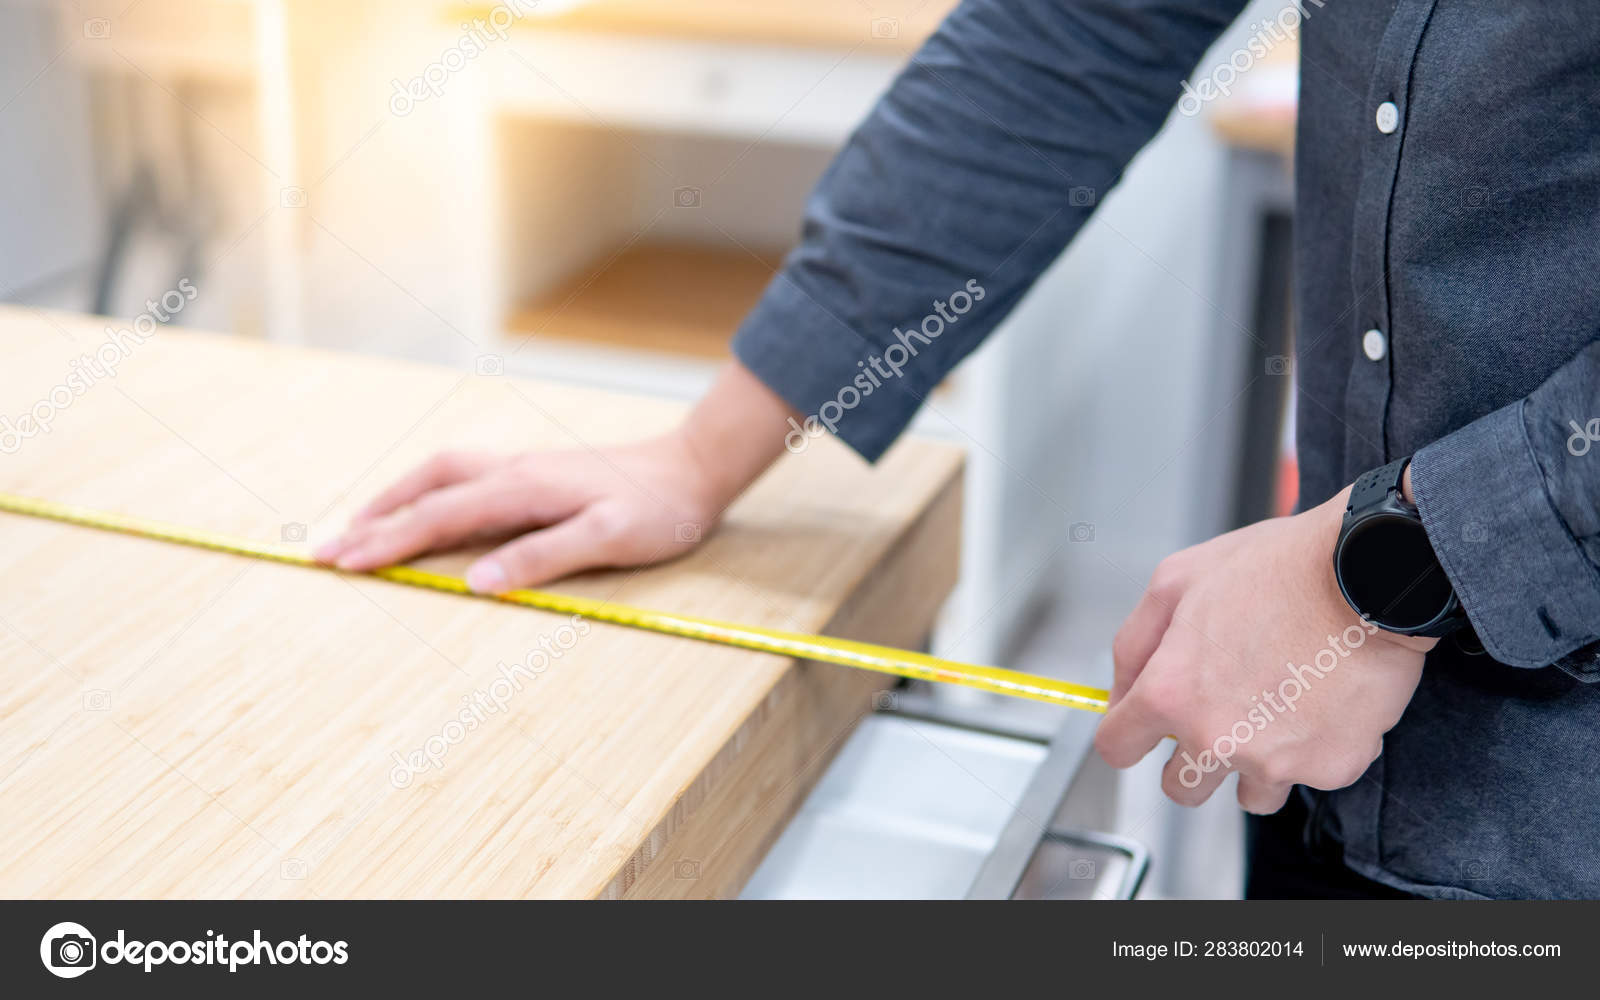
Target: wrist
column 1329, row 521
column 712, row 486
column 1337, row 507
column 732, row 435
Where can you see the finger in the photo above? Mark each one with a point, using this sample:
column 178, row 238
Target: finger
column 1137, row 640
column 444, row 469
column 441, row 519
column 1129, row 732
column 1262, row 797
column 578, row 543
column 1190, row 776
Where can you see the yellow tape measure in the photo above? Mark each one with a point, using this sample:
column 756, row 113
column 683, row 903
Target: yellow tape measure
column 861, row 655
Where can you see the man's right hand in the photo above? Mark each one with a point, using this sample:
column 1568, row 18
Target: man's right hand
column 575, row 510
column 580, row 509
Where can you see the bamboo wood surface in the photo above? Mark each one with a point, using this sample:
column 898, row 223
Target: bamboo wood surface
column 179, row 723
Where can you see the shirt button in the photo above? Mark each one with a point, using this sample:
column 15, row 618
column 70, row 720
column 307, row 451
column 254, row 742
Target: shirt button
column 1374, row 345
column 1388, row 117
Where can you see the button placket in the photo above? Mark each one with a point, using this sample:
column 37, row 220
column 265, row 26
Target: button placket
column 1371, row 378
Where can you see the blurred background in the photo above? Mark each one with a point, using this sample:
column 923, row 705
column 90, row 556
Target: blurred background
column 599, row 190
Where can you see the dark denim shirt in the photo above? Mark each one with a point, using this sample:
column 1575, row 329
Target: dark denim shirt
column 1448, row 300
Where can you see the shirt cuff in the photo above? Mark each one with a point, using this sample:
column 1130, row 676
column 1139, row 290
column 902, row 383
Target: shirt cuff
column 1531, row 594
column 826, row 371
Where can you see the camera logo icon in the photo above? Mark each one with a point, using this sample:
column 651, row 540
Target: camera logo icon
column 293, row 531
column 292, row 197
column 1080, row 197
column 97, row 27
column 1277, row 364
column 885, row 27
column 67, row 950
column 1081, row 531
column 686, row 197
column 491, row 364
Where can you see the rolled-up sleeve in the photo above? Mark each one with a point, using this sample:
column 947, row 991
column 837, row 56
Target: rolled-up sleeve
column 972, row 173
column 1511, row 503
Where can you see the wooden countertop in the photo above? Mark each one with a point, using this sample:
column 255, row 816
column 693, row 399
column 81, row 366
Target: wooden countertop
column 179, row 723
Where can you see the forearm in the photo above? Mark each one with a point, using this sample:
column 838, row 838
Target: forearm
column 734, row 432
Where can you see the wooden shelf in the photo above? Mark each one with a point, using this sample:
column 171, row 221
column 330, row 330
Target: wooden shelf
column 667, row 297
column 1260, row 112
column 1269, row 130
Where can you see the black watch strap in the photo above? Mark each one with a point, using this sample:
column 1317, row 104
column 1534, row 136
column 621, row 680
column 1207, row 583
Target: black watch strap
column 1374, row 485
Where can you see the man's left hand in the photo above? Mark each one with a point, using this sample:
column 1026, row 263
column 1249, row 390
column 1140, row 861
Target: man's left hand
column 1244, row 650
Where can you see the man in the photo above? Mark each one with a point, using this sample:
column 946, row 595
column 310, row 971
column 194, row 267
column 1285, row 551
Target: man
column 1448, row 230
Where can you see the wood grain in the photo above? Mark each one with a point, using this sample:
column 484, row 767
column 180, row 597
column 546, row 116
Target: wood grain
column 176, row 723
column 776, row 760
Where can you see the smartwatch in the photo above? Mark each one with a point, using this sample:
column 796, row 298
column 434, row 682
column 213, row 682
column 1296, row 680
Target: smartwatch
column 1385, row 564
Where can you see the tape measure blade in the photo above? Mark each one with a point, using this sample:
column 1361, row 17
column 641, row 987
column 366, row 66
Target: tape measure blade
column 843, row 652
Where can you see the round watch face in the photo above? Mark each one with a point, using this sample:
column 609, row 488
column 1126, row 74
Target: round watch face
column 1388, row 572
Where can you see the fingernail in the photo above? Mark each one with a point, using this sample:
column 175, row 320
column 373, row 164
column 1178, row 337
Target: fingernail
column 486, row 577
column 328, row 550
column 351, row 561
